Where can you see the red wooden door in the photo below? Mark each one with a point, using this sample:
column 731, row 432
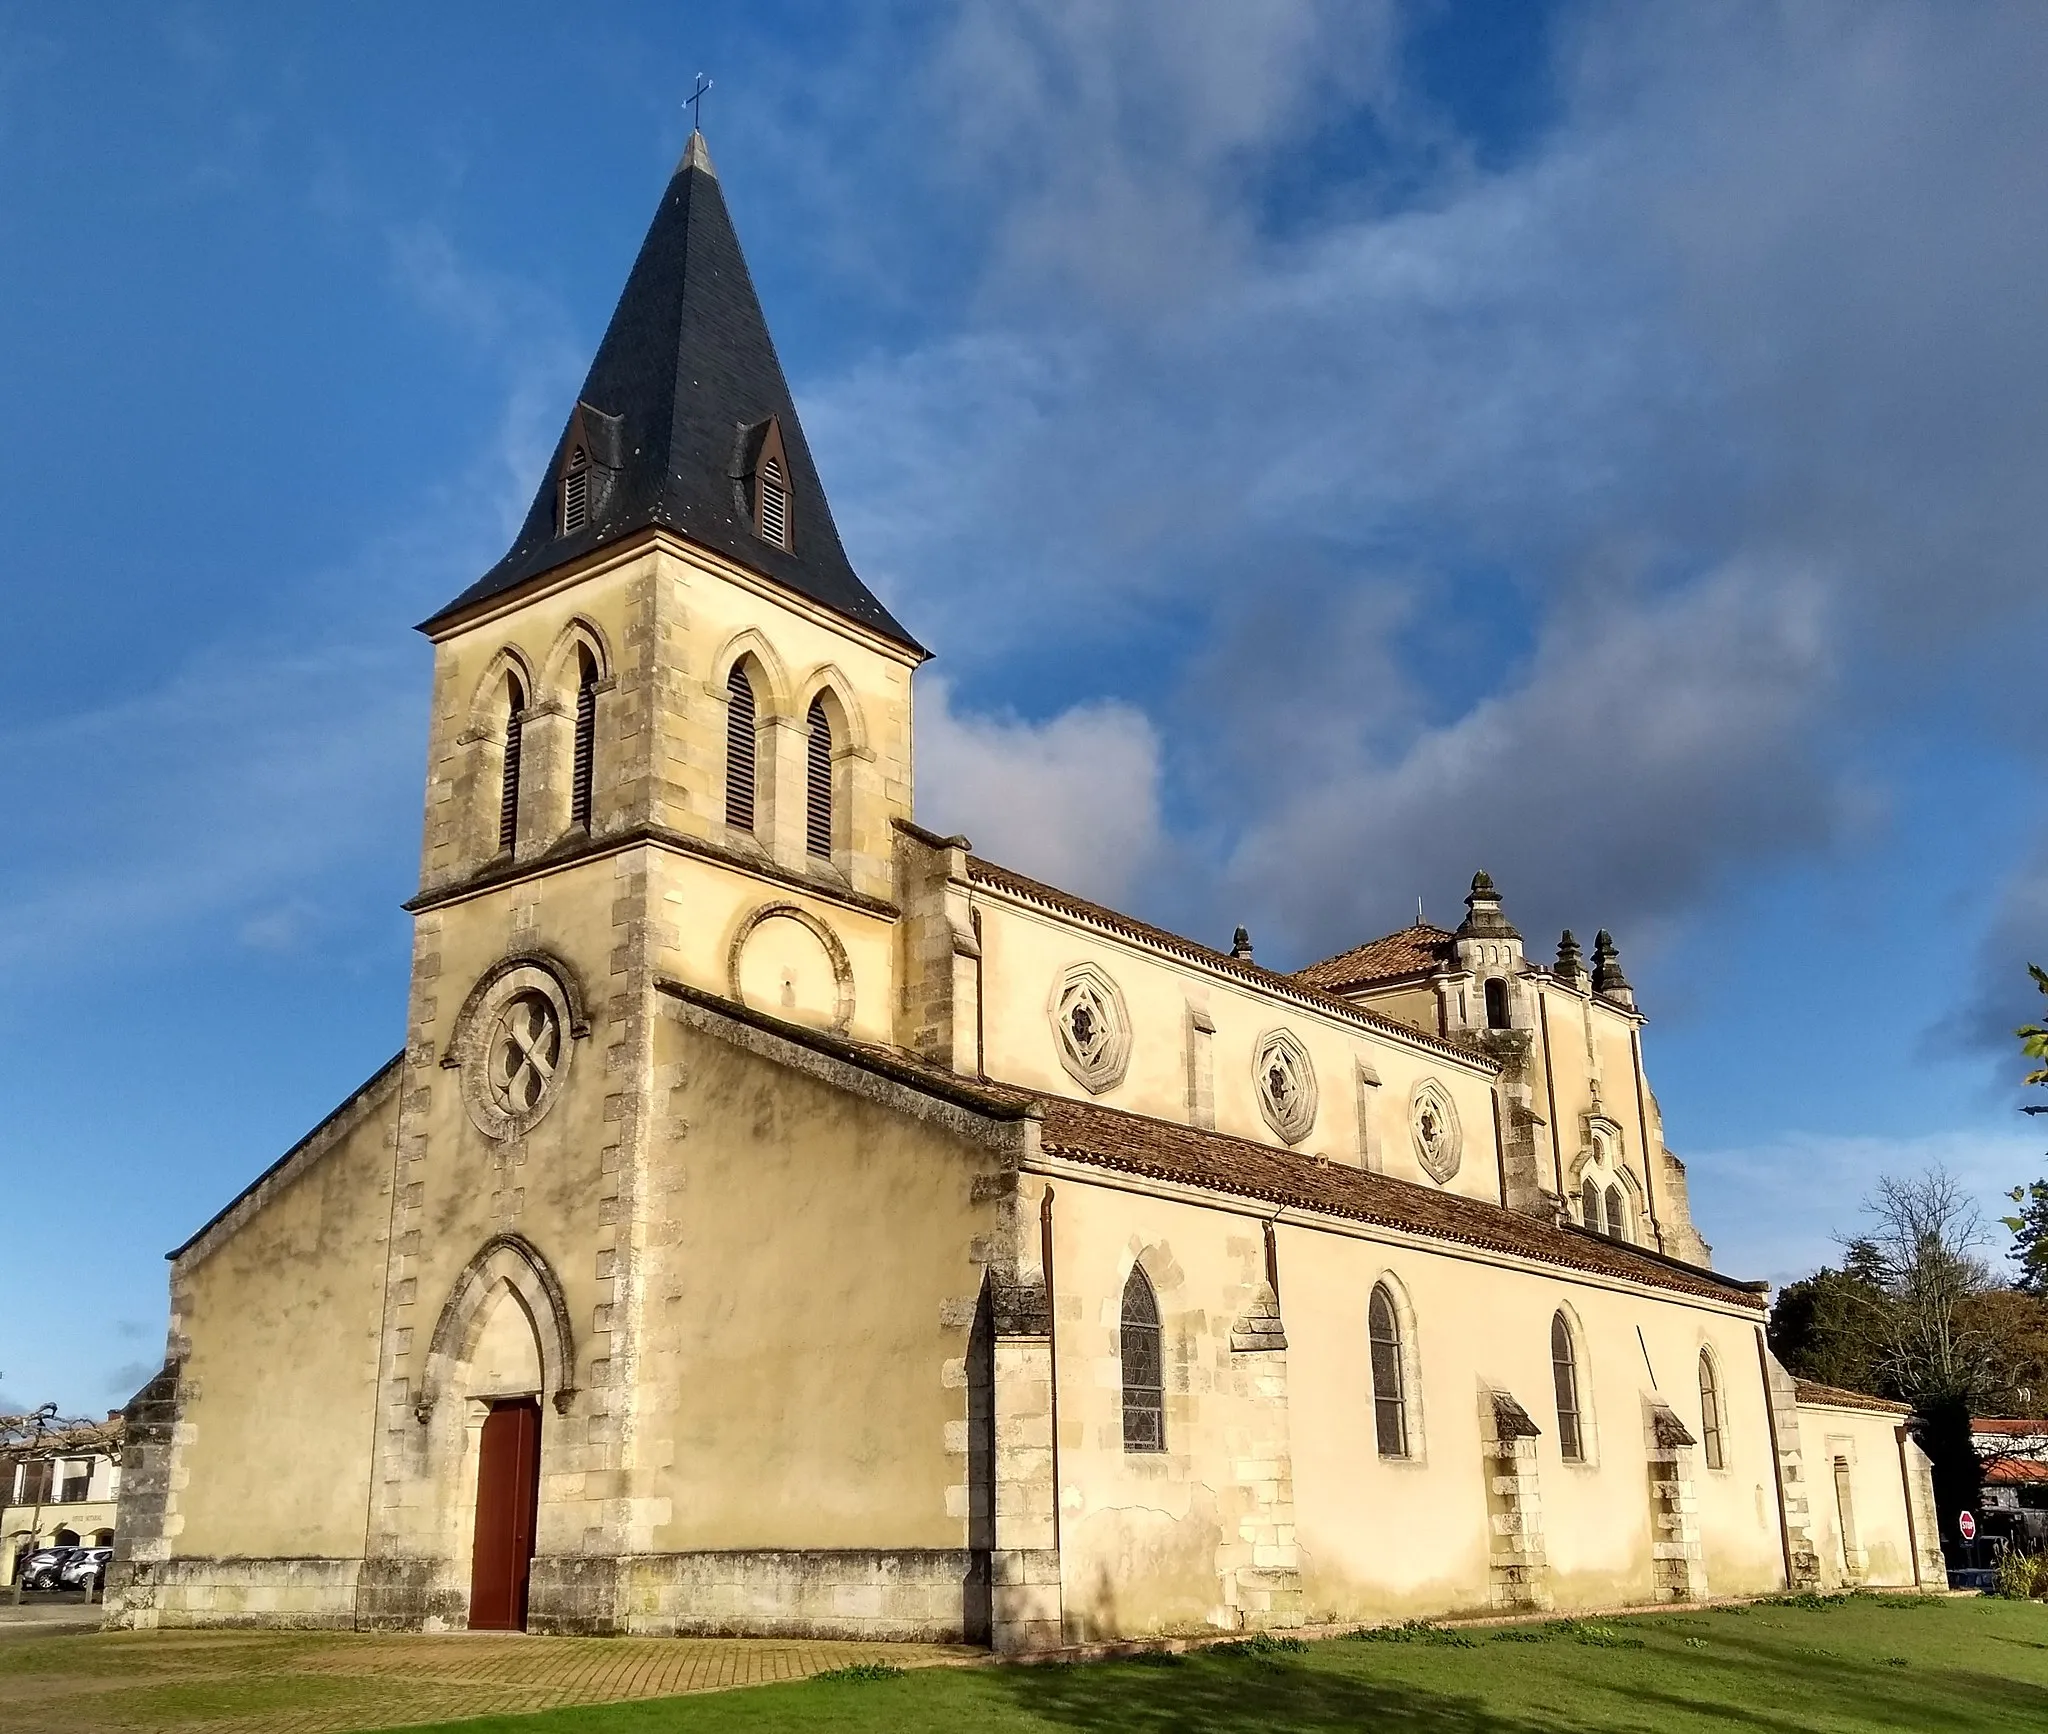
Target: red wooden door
column 507, row 1491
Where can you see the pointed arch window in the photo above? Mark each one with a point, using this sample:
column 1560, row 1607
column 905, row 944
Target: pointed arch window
column 1710, row 1414
column 818, row 782
column 740, row 718
column 1144, row 1367
column 508, row 788
column 1389, row 1395
column 583, row 767
column 1589, row 1205
column 1564, row 1373
column 576, row 491
column 1617, row 1213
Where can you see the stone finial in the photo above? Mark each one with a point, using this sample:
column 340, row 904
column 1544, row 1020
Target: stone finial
column 1608, row 980
column 1241, row 945
column 1483, row 917
column 1571, row 962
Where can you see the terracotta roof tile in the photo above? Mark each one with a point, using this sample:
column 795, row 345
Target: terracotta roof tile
column 1294, row 986
column 2026, row 1426
column 1189, row 1156
column 2013, row 1471
column 1810, row 1391
column 1217, row 1162
column 1412, row 951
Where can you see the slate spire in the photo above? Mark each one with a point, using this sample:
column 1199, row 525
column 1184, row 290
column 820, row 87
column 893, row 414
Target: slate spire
column 682, row 399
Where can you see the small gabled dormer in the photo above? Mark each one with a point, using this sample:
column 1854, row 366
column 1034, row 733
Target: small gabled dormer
column 591, row 458
column 764, row 486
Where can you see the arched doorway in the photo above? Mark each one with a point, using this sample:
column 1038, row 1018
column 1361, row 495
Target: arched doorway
column 504, row 1378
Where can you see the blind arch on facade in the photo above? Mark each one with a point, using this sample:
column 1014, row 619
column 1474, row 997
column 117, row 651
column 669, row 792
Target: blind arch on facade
column 1142, row 1351
column 742, row 717
column 1389, row 1382
column 1564, row 1373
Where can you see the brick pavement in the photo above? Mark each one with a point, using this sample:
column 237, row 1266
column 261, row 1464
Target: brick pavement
column 185, row 1682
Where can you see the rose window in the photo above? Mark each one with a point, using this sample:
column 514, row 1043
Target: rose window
column 1286, row 1085
column 1091, row 1027
column 1434, row 1121
column 525, row 1051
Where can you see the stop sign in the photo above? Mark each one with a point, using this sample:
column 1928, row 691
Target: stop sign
column 1967, row 1524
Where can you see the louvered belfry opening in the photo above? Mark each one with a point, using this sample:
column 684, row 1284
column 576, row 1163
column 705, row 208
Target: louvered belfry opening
column 508, row 790
column 774, row 508
column 584, row 766
column 818, row 784
column 576, row 492
column 739, row 749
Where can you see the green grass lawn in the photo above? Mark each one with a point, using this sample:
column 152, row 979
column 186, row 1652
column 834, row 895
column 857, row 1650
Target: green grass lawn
column 1864, row 1663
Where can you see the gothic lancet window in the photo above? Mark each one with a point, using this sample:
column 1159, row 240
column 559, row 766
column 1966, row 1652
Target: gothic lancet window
column 1710, row 1413
column 1389, row 1399
column 1144, row 1366
column 1589, row 1205
column 584, row 766
column 1564, row 1372
column 508, row 789
column 576, row 492
column 739, row 749
column 818, row 783
column 1617, row 1213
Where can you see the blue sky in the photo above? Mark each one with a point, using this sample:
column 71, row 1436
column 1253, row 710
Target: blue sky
column 1331, row 447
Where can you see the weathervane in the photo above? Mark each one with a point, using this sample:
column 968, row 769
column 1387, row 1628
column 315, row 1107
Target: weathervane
column 695, row 103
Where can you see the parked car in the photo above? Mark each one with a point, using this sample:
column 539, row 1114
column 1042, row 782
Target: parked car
column 87, row 1570
column 39, row 1571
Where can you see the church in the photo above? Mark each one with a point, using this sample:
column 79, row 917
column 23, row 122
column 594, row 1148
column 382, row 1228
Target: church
column 780, row 1219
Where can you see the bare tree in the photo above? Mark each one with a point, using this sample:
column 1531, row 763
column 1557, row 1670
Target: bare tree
column 1926, row 1239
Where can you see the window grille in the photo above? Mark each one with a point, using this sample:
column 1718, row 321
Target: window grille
column 774, row 504
column 508, row 792
column 1143, row 1368
column 739, row 749
column 1389, row 1400
column 1617, row 1213
column 1564, row 1372
column 584, row 765
column 818, row 784
column 1710, row 1413
column 576, row 492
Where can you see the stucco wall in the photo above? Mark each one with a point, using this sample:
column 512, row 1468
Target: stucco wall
column 1879, row 1542
column 1025, row 951
column 281, row 1317
column 811, row 1282
column 1143, row 1535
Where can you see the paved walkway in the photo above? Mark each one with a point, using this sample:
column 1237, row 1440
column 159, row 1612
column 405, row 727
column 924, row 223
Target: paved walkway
column 337, row 1683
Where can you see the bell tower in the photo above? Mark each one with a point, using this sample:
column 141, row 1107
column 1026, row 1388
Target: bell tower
column 670, row 737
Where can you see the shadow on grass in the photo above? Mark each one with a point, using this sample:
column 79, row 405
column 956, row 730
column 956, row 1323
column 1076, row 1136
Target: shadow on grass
column 1245, row 1697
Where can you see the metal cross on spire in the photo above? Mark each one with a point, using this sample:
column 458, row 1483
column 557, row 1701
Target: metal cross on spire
column 694, row 102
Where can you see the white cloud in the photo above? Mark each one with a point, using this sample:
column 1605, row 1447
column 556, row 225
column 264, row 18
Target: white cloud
column 1660, row 463
column 1073, row 800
